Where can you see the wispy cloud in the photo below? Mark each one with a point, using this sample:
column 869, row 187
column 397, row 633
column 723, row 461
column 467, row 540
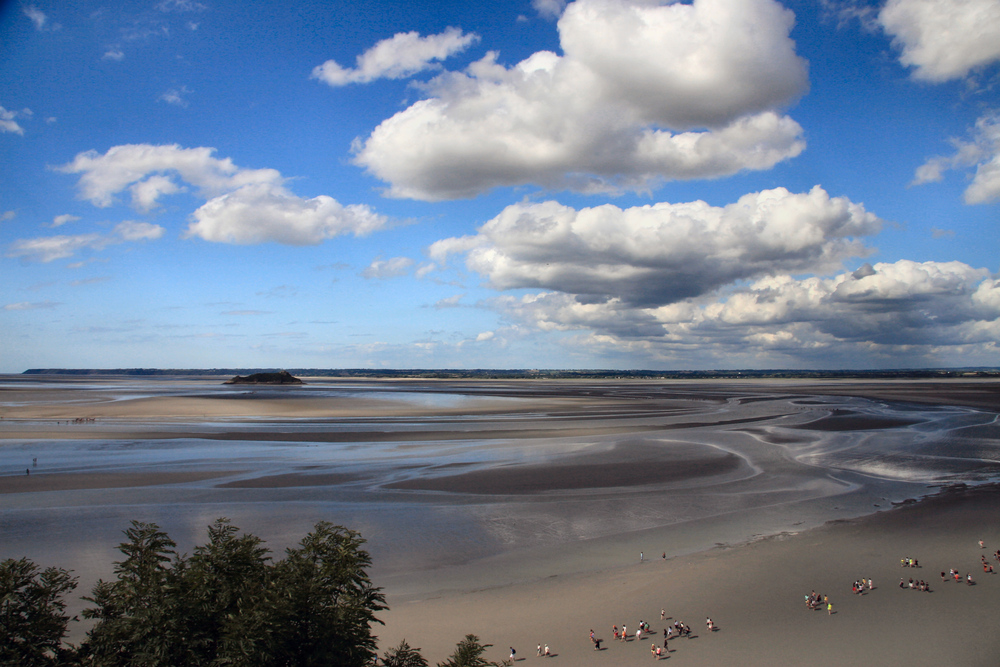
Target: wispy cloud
column 398, row 57
column 388, row 268
column 981, row 152
column 49, row 248
column 176, row 96
column 7, row 122
column 37, row 305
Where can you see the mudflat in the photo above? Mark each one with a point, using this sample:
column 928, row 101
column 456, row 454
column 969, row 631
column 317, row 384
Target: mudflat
column 517, row 510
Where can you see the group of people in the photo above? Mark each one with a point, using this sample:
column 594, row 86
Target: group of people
column 861, row 585
column 909, row 562
column 816, row 601
column 920, row 585
column 676, row 629
column 957, row 576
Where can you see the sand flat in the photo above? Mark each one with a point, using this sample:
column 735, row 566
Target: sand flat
column 48, row 482
column 517, row 509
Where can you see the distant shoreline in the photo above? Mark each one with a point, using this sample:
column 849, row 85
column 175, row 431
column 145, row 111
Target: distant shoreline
column 535, row 374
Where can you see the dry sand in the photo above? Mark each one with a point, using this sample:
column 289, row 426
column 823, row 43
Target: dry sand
column 755, row 594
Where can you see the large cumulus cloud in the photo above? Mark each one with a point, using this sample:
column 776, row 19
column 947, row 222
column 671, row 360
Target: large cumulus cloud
column 892, row 314
column 943, row 39
column 759, row 282
column 642, row 92
column 662, row 253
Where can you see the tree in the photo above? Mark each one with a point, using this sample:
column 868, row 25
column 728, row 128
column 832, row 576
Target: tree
column 32, row 614
column 227, row 604
column 223, row 603
column 469, row 653
column 135, row 624
column 403, row 656
column 328, row 603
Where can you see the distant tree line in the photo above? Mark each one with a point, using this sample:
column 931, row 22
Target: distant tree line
column 545, row 374
column 228, row 603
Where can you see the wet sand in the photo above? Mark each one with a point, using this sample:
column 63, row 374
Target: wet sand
column 517, row 509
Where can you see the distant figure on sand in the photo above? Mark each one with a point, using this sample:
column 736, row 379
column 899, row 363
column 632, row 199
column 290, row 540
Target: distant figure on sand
column 512, row 652
column 539, row 650
column 640, row 556
column 547, row 654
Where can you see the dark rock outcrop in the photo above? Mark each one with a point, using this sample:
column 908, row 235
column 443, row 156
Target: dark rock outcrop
column 282, row 377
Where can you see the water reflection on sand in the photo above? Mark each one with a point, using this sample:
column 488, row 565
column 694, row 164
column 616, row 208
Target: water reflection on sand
column 438, row 474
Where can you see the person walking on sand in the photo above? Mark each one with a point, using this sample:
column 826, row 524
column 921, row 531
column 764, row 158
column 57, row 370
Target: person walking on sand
column 829, row 608
column 539, row 650
column 547, row 654
column 512, row 652
column 640, row 556
column 663, row 614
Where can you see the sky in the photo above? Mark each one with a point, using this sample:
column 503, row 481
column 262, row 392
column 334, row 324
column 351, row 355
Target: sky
column 533, row 184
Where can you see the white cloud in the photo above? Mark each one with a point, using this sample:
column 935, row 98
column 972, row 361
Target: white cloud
column 61, row 220
column 983, row 152
column 662, row 253
column 176, row 96
column 146, row 194
column 130, row 230
column 902, row 313
column 943, row 39
column 25, row 305
column 449, row 302
column 104, row 176
column 398, row 57
column 167, row 6
column 388, row 268
column 50, row 248
column 114, row 53
column 549, row 8
column 268, row 212
column 243, row 205
column 7, row 122
column 37, row 16
column 643, row 93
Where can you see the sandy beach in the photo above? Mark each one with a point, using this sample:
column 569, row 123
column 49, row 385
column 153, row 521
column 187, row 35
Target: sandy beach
column 517, row 510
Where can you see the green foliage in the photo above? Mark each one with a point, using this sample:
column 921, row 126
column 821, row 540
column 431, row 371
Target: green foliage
column 32, row 614
column 403, row 656
column 327, row 601
column 228, row 605
column 469, row 653
column 134, row 612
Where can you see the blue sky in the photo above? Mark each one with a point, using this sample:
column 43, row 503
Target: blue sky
column 599, row 184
